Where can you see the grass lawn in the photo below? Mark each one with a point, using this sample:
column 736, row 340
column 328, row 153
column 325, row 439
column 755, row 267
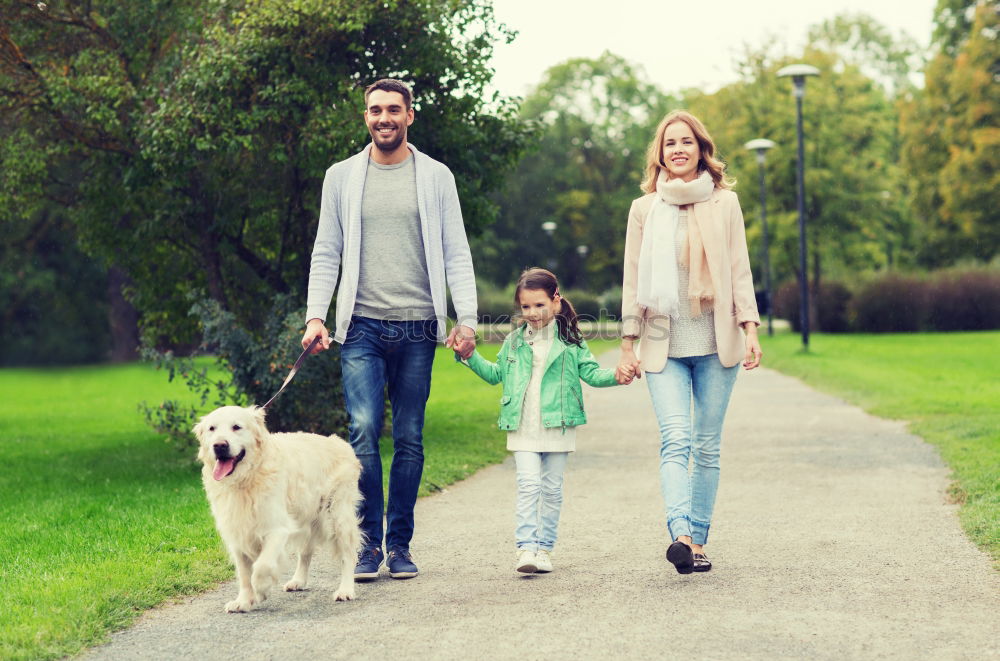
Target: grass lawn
column 99, row 518
column 946, row 384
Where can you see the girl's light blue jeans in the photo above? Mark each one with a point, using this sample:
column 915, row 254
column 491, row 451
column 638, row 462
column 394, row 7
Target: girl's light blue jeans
column 689, row 493
column 539, row 498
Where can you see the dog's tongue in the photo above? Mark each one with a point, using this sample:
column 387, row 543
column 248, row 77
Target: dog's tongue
column 223, row 467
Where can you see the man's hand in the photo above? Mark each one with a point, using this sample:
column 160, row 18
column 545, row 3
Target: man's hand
column 316, row 328
column 462, row 340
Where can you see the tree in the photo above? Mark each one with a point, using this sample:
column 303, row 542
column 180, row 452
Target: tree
column 853, row 184
column 952, row 24
column 187, row 140
column 596, row 117
column 952, row 139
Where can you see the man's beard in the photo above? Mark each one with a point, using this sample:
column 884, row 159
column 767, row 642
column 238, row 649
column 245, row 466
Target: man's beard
column 393, row 144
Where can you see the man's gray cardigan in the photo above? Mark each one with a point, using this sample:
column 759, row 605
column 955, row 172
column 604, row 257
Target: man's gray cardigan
column 338, row 242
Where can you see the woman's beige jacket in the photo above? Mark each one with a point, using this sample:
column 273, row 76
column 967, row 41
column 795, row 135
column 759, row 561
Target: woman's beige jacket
column 720, row 221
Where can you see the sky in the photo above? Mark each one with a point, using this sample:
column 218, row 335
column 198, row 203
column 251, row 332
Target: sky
column 679, row 43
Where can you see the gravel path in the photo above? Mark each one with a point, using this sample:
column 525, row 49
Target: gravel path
column 832, row 539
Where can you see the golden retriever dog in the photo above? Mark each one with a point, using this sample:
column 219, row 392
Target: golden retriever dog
column 272, row 494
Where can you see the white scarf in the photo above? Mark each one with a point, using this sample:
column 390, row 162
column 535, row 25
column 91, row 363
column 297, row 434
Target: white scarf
column 658, row 283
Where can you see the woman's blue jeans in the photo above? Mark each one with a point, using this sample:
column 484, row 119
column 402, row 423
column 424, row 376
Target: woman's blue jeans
column 399, row 354
column 689, row 494
column 539, row 498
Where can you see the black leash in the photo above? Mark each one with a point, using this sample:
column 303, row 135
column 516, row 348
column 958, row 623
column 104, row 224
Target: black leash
column 295, row 368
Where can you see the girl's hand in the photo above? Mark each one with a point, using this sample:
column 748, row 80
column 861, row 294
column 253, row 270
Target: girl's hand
column 754, row 352
column 462, row 340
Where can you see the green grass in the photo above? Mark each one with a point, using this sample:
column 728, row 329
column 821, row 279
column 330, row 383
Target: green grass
column 100, row 519
column 947, row 385
column 460, row 431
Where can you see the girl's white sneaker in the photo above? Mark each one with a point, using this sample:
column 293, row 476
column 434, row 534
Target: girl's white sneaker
column 526, row 561
column 543, row 561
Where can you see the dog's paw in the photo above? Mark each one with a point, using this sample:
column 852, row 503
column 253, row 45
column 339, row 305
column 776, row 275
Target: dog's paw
column 240, row 604
column 344, row 595
column 295, row 585
column 262, row 582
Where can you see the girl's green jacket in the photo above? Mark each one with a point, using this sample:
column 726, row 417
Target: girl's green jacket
column 562, row 397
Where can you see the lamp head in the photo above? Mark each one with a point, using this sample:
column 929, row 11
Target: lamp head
column 760, row 146
column 798, row 74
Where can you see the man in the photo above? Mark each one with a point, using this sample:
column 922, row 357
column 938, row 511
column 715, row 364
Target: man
column 390, row 220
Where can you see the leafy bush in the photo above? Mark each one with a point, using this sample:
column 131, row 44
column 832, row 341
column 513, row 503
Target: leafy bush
column 832, row 306
column 45, row 277
column 892, row 303
column 966, row 299
column 495, row 305
column 611, row 303
column 586, row 304
column 254, row 364
column 950, row 300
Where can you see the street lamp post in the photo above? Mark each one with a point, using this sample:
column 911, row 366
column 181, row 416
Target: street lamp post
column 760, row 147
column 549, row 227
column 581, row 251
column 798, row 74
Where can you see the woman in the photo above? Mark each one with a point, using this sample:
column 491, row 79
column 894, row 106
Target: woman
column 686, row 295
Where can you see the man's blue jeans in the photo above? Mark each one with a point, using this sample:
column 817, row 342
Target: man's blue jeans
column 398, row 354
column 689, row 498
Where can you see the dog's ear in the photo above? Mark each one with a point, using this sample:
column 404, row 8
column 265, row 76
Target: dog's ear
column 260, row 432
column 199, row 432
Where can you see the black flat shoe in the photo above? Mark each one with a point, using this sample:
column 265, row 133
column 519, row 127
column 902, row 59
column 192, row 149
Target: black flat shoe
column 701, row 562
column 679, row 555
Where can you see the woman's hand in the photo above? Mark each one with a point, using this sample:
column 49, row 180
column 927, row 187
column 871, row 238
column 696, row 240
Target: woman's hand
column 754, row 353
column 624, row 374
column 628, row 364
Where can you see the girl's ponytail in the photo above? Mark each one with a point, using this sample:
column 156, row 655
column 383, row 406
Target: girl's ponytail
column 569, row 330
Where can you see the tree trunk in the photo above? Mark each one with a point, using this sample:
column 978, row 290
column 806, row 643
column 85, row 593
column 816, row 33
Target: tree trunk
column 123, row 319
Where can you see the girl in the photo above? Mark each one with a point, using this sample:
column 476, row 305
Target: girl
column 540, row 365
column 687, row 294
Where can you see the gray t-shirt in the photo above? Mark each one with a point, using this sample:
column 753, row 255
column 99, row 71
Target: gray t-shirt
column 393, row 281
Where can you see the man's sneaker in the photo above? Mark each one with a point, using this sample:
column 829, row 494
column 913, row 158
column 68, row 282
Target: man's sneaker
column 400, row 564
column 369, row 560
column 543, row 560
column 526, row 563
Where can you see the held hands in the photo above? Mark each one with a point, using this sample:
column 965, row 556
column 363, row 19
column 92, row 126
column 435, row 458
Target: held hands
column 628, row 367
column 313, row 328
column 462, row 340
column 754, row 352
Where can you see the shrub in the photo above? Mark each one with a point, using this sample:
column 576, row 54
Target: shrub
column 254, row 365
column 586, row 304
column 832, row 306
column 786, row 304
column 611, row 303
column 967, row 299
column 892, row 303
column 495, row 305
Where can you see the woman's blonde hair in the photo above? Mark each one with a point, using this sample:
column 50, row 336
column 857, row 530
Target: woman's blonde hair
column 654, row 154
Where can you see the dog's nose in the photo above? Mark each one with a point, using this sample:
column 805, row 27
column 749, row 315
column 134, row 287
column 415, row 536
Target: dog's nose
column 221, row 449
